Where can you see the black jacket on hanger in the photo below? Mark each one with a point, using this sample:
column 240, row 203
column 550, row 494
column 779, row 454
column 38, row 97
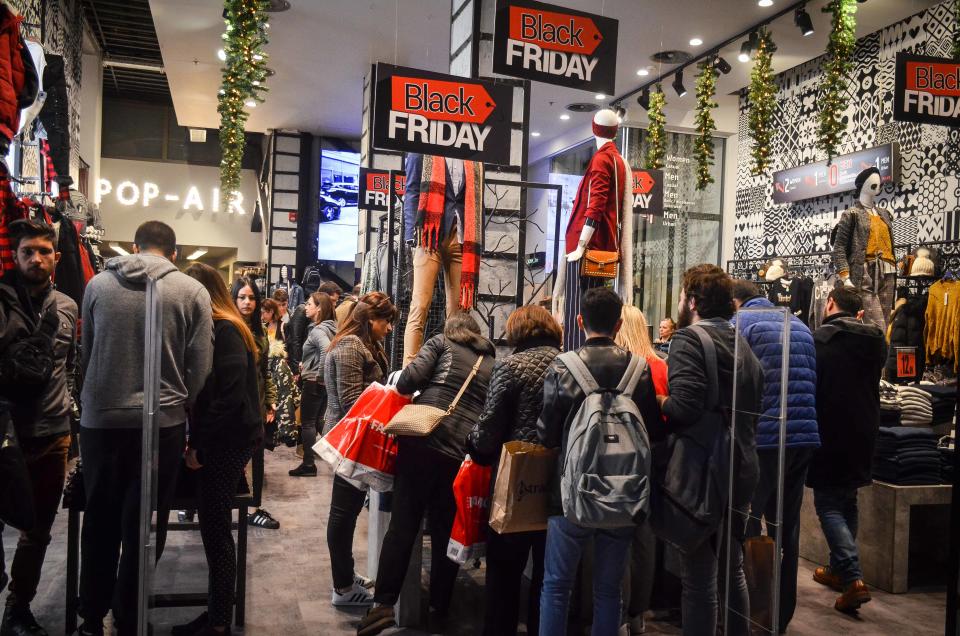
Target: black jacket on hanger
column 55, row 117
column 69, row 273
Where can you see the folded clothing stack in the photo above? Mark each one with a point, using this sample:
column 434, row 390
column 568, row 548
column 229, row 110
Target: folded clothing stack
column 917, row 407
column 947, row 459
column 943, row 400
column 907, row 456
column 891, row 405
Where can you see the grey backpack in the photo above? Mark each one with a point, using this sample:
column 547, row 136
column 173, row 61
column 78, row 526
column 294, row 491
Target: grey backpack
column 605, row 474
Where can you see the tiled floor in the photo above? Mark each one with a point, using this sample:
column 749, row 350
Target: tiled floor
column 289, row 586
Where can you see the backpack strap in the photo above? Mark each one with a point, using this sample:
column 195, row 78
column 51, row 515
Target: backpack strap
column 631, row 377
column 710, row 365
column 579, row 371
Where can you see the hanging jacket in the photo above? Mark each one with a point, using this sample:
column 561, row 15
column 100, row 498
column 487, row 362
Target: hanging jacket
column 69, row 275
column 763, row 331
column 55, row 117
column 906, row 330
column 18, row 75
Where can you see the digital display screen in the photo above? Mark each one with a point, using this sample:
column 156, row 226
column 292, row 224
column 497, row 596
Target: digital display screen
column 820, row 179
column 338, row 215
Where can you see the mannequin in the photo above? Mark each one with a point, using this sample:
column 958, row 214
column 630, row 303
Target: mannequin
column 295, row 296
column 443, row 225
column 863, row 249
column 602, row 219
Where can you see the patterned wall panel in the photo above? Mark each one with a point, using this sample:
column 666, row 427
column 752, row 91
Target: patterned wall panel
column 926, row 203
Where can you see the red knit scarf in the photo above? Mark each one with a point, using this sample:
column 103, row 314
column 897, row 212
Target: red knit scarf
column 433, row 187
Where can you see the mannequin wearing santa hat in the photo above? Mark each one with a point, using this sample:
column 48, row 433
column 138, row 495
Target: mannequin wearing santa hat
column 602, row 219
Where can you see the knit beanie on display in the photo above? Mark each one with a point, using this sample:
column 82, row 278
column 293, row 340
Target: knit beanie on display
column 605, row 124
column 922, row 264
column 775, row 271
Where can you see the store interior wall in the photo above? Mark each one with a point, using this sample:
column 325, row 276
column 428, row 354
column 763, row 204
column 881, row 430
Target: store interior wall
column 924, row 203
column 91, row 109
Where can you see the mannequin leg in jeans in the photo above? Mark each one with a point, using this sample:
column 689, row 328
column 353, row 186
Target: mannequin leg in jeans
column 426, row 266
column 345, row 506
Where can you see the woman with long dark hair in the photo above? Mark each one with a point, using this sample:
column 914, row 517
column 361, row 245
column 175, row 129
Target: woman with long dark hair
column 247, row 298
column 354, row 360
column 224, row 429
column 323, row 329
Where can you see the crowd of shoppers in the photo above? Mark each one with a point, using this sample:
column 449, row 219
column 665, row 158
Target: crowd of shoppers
column 218, row 398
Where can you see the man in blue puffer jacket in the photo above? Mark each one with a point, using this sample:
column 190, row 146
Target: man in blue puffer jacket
column 763, row 330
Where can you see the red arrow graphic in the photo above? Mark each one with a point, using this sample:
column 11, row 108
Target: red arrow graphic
column 555, row 31
column 642, row 182
column 441, row 99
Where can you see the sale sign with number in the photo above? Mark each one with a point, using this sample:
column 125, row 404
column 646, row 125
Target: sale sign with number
column 823, row 178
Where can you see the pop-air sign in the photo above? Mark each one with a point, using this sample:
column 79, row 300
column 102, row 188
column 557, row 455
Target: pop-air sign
column 927, row 90
column 555, row 45
column 436, row 114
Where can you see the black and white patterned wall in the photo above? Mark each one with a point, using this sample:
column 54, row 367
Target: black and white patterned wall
column 925, row 204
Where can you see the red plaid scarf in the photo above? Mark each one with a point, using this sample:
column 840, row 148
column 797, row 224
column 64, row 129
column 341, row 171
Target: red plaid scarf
column 50, row 173
column 430, row 207
column 10, row 210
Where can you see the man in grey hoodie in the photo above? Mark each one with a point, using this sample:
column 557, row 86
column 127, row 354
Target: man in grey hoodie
column 114, row 308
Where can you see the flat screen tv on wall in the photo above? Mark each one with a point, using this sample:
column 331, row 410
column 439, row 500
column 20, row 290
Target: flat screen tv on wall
column 337, row 212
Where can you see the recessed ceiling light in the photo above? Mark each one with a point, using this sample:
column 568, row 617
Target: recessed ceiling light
column 535, row 134
column 250, row 103
column 197, row 254
column 765, row 3
column 222, row 55
column 643, row 72
column 696, row 42
column 599, row 96
column 564, row 117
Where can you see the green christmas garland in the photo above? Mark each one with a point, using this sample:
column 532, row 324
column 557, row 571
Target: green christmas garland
column 703, row 143
column 763, row 103
column 656, row 135
column 838, row 65
column 244, row 74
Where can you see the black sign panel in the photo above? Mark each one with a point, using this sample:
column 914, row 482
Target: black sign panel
column 927, row 90
column 444, row 115
column 819, row 179
column 374, row 189
column 555, row 45
column 647, row 191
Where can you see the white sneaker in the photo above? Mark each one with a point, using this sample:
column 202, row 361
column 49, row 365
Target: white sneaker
column 356, row 595
column 363, row 581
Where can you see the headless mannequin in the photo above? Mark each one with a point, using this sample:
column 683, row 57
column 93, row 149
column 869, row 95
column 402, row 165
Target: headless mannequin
column 587, row 232
column 868, row 199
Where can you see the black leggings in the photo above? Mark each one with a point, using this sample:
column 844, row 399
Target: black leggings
column 312, row 407
column 219, row 478
column 346, row 502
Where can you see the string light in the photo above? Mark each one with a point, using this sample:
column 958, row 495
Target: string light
column 763, row 102
column 703, row 143
column 656, row 133
column 837, row 67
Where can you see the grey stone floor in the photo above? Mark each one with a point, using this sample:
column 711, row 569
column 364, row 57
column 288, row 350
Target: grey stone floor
column 289, row 586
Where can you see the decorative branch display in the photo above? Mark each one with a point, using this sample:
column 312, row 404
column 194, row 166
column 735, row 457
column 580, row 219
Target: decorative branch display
column 763, row 103
column 703, row 143
column 656, row 134
column 837, row 67
column 244, row 74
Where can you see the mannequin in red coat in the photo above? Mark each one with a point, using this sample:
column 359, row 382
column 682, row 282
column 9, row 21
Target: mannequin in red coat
column 597, row 222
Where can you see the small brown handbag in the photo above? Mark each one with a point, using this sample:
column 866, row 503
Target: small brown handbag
column 419, row 420
column 597, row 263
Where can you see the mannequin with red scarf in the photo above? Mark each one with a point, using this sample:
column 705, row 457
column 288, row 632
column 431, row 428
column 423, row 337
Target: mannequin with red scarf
column 602, row 219
column 443, row 223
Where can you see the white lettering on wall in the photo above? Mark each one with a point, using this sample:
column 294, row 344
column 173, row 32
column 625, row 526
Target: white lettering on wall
column 129, row 194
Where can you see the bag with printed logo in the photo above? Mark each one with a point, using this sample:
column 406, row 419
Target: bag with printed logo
column 471, row 490
column 522, row 489
column 358, row 448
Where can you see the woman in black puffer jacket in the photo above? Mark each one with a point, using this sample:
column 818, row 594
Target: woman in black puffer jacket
column 427, row 466
column 510, row 414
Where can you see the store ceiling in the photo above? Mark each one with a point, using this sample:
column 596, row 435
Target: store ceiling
column 217, row 257
column 321, row 49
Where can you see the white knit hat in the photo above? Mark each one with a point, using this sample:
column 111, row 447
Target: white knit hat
column 775, row 271
column 922, row 263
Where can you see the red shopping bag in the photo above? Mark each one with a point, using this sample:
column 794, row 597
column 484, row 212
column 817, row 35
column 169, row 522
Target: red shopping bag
column 471, row 489
column 358, row 448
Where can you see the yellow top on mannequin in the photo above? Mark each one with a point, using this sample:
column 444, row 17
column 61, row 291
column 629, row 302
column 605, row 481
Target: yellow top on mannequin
column 879, row 241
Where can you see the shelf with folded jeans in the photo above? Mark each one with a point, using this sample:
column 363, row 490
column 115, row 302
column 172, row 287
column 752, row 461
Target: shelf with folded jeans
column 907, row 456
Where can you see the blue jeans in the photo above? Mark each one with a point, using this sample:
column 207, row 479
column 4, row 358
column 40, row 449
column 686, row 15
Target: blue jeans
column 565, row 543
column 837, row 509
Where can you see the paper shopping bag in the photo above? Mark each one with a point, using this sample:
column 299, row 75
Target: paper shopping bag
column 522, row 489
column 358, row 448
column 471, row 489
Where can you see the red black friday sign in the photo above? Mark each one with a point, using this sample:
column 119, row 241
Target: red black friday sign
column 927, row 90
column 374, row 189
column 647, row 191
column 555, row 45
column 436, row 114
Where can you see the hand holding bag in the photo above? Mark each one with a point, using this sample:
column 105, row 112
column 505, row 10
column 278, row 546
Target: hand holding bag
column 471, row 489
column 419, row 420
column 522, row 489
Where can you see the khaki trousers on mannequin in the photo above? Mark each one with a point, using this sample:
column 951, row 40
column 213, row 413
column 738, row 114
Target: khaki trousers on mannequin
column 426, row 267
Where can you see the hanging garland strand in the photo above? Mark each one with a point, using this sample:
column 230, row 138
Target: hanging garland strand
column 838, row 65
column 244, row 74
column 956, row 30
column 656, row 142
column 763, row 103
column 703, row 143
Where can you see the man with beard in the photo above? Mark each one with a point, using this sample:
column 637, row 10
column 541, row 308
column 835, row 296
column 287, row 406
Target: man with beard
column 706, row 303
column 31, row 307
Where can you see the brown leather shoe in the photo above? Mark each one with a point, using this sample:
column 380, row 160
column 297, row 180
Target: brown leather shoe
column 824, row 576
column 853, row 597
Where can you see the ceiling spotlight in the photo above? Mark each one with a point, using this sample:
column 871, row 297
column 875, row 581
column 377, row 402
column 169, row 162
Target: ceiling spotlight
column 535, row 134
column 748, row 47
column 802, row 19
column 564, row 117
column 765, row 3
column 644, row 99
column 222, row 55
column 643, row 72
column 696, row 42
column 722, row 65
column 678, row 84
column 599, row 96
column 250, row 103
